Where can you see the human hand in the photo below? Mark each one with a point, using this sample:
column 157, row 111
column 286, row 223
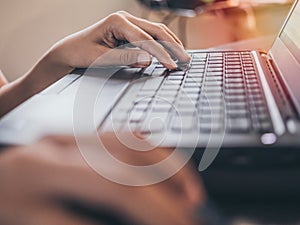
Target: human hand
column 35, row 180
column 97, row 45
column 83, row 48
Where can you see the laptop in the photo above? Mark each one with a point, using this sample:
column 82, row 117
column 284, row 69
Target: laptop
column 227, row 102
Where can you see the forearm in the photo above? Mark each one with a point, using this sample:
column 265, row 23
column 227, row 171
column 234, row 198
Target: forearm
column 84, row 48
column 44, row 73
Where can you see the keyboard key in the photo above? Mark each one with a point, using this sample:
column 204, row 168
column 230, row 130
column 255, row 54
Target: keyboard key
column 214, row 69
column 193, row 63
column 185, row 100
column 198, row 67
column 238, row 124
column 210, row 102
column 119, row 115
column 215, row 65
column 236, row 91
column 236, row 105
column 213, row 83
column 234, row 85
column 143, row 101
column 136, row 116
column 249, row 69
column 251, row 76
column 211, row 95
column 192, row 95
column 162, row 108
column 214, row 78
column 175, row 78
column 200, row 71
column 177, row 73
column 215, row 61
column 251, row 72
column 233, row 67
column 212, row 111
column 172, row 82
column 254, row 92
column 235, row 80
column 209, row 116
column 166, row 93
column 149, row 70
column 192, row 90
column 216, row 54
column 234, row 75
column 214, row 74
column 145, row 94
column 152, row 83
column 159, row 72
column 230, row 60
column 208, row 126
column 235, row 98
column 192, row 85
column 139, row 107
column 186, row 109
column 266, row 126
column 197, row 80
column 170, row 87
column 155, row 122
column 213, row 88
column 231, row 71
column 233, row 63
column 181, row 123
column 248, row 65
column 236, row 113
column 199, row 56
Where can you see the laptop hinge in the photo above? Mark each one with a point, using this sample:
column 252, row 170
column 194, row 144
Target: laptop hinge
column 276, row 116
column 286, row 104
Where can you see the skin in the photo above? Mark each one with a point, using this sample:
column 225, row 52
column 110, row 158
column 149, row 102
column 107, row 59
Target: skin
column 36, row 179
column 83, row 48
column 33, row 177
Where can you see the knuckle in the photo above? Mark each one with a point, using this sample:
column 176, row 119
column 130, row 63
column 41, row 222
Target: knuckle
column 163, row 26
column 160, row 25
column 122, row 12
column 115, row 17
column 160, row 28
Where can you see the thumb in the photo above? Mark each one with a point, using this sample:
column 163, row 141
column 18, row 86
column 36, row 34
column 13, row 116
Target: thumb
column 125, row 57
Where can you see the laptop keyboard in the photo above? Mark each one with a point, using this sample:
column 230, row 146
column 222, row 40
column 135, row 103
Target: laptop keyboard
column 217, row 91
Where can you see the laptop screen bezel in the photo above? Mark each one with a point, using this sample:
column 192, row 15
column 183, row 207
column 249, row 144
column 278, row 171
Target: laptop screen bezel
column 287, row 64
column 291, row 46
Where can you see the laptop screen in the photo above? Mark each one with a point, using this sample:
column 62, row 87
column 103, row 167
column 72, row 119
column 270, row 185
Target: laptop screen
column 290, row 35
column 285, row 54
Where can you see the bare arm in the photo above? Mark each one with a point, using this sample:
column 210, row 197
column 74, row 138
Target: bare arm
column 84, row 48
column 44, row 73
column 3, row 80
column 37, row 179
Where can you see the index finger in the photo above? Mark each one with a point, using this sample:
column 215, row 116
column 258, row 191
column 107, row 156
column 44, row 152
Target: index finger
column 163, row 34
column 139, row 38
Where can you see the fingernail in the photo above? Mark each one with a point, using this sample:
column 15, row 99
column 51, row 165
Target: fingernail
column 173, row 65
column 144, row 59
column 186, row 58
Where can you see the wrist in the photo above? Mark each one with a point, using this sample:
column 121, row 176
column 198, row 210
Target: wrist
column 45, row 72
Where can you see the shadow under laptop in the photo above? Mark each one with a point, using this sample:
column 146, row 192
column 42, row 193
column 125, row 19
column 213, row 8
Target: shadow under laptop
column 255, row 186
